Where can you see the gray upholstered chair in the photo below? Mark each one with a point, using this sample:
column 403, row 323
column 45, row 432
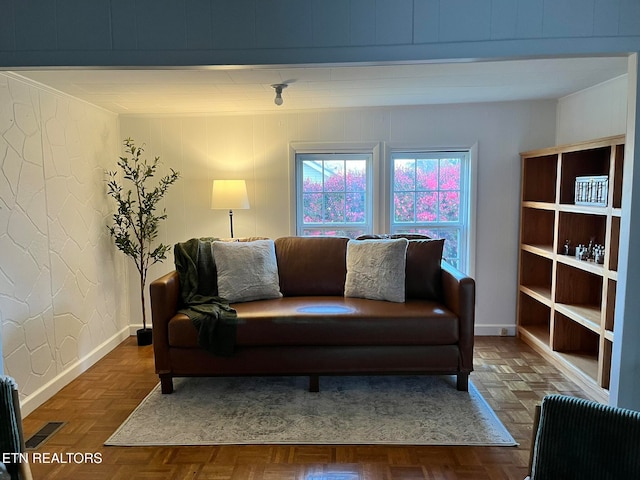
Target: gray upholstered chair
column 578, row 439
column 11, row 435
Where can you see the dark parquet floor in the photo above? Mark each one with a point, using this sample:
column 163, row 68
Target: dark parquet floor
column 511, row 377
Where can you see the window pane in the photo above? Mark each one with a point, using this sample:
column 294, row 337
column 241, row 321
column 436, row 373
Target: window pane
column 449, row 206
column 312, row 175
column 404, row 207
column 334, row 176
column 426, row 206
column 312, row 207
column 355, row 207
column 429, row 232
column 450, row 174
column 333, row 232
column 356, row 176
column 313, row 232
column 427, row 174
column 404, row 175
column 333, row 190
column 451, row 245
column 334, row 207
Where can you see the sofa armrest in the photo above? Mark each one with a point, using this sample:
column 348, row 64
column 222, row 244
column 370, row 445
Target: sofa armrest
column 164, row 292
column 459, row 296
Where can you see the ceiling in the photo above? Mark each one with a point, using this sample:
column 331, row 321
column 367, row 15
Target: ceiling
column 248, row 89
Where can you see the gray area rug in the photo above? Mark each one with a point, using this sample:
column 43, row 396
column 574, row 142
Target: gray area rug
column 367, row 410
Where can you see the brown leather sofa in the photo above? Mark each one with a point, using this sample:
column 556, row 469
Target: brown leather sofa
column 314, row 330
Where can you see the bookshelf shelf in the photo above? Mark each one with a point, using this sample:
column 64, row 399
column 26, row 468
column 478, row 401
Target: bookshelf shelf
column 565, row 304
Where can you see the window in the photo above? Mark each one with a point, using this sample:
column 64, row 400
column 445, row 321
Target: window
column 333, row 194
column 430, row 195
column 347, row 193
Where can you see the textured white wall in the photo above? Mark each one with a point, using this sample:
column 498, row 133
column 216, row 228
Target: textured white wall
column 62, row 284
column 256, row 148
column 596, row 112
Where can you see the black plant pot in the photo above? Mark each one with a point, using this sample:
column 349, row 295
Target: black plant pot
column 144, row 336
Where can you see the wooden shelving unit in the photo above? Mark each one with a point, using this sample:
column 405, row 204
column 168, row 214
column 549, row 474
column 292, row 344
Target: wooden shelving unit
column 566, row 305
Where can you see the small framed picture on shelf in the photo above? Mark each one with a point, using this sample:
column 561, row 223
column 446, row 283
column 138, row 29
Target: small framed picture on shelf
column 592, row 190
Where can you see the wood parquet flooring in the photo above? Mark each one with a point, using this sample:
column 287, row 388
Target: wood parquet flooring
column 510, row 376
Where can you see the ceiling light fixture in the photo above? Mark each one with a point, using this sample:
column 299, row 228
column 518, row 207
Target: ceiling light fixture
column 278, row 88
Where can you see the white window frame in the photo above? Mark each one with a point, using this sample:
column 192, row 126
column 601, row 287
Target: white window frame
column 372, row 223
column 468, row 204
column 381, row 196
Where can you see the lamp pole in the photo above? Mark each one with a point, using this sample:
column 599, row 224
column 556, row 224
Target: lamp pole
column 231, row 221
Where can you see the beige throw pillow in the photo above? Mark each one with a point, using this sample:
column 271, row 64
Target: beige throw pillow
column 376, row 269
column 246, row 270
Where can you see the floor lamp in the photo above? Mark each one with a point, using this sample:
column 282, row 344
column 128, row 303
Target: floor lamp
column 229, row 195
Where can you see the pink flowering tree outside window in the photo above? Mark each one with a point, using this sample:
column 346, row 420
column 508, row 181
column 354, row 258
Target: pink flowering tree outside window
column 427, row 199
column 334, row 197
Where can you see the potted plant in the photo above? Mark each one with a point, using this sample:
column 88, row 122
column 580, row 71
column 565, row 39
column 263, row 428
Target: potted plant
column 135, row 223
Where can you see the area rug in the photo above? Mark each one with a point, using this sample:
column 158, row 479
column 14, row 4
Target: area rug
column 363, row 410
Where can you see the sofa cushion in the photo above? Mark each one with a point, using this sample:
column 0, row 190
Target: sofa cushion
column 311, row 265
column 376, row 269
column 330, row 321
column 207, row 275
column 246, row 271
column 423, row 271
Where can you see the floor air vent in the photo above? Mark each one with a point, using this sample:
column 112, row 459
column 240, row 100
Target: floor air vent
column 43, row 434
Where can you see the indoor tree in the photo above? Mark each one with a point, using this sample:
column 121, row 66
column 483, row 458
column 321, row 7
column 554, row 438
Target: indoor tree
column 134, row 226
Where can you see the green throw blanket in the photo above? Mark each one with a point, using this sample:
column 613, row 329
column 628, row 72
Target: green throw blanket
column 212, row 316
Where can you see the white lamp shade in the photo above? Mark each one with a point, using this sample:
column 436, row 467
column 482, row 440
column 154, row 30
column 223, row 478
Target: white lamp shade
column 229, row 195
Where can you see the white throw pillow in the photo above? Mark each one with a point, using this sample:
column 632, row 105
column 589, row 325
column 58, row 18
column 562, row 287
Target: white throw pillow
column 246, row 270
column 376, row 269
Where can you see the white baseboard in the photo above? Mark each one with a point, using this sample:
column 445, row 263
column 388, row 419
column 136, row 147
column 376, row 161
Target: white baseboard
column 495, row 330
column 44, row 393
